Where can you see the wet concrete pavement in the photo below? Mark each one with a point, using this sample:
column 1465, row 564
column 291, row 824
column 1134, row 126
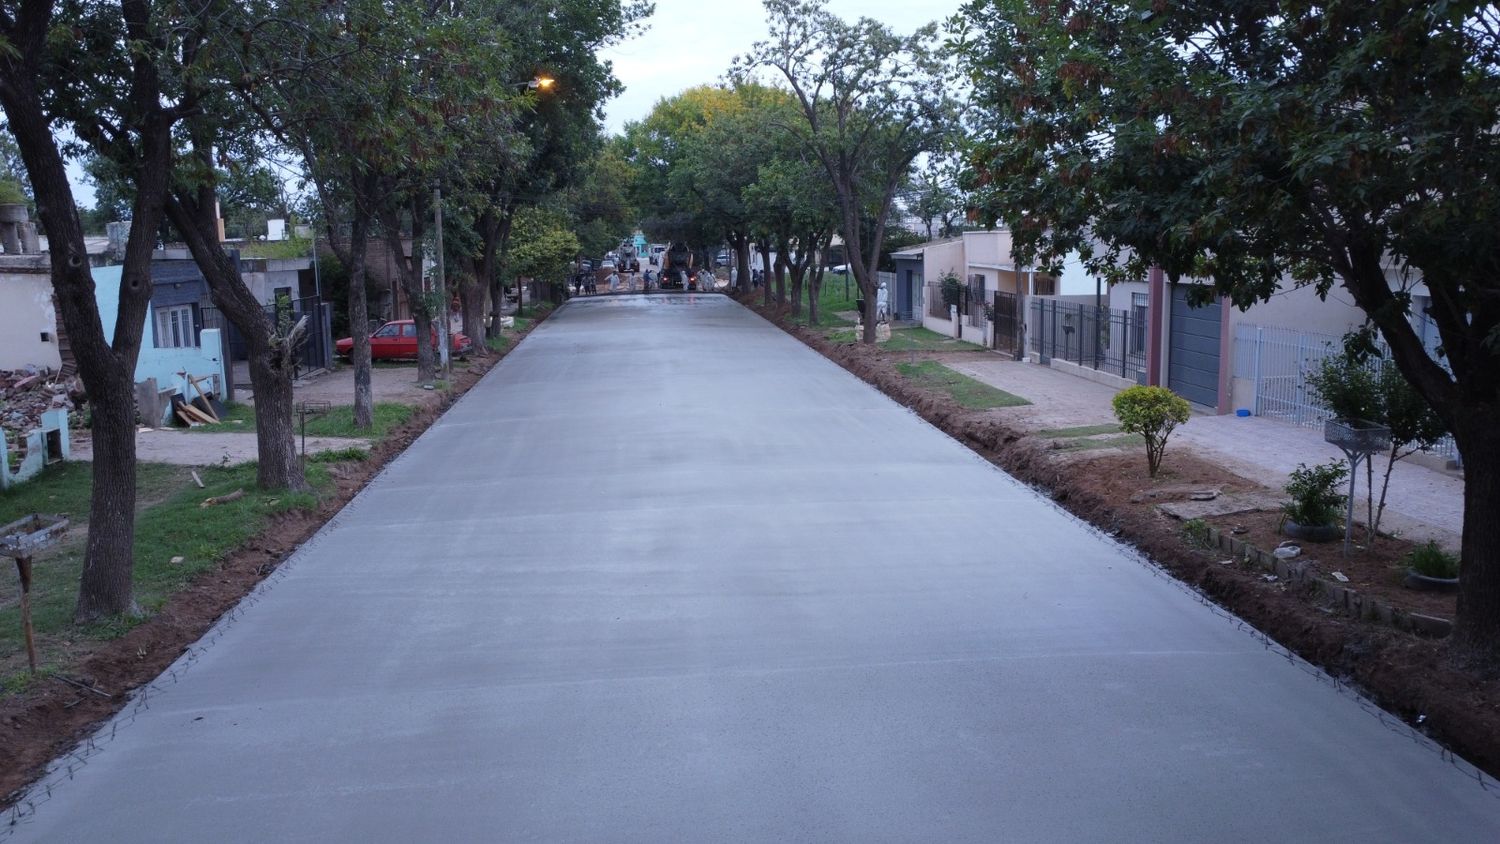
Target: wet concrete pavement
column 800, row 613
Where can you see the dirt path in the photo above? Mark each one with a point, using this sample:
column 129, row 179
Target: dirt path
column 184, row 448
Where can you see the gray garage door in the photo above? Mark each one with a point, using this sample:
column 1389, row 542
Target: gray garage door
column 1193, row 351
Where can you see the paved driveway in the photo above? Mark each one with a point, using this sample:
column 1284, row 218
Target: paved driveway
column 800, row 614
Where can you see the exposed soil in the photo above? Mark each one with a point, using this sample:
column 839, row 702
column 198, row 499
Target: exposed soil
column 1378, row 569
column 52, row 716
column 1408, row 675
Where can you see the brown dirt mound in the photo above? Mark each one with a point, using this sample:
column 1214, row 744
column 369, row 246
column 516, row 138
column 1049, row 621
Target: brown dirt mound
column 50, row 718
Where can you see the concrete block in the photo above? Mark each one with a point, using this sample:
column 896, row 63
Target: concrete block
column 1429, row 625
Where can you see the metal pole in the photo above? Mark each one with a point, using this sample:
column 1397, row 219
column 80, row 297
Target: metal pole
column 1349, row 517
column 1258, row 342
column 444, row 343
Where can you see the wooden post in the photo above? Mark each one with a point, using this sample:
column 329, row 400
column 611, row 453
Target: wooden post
column 23, row 566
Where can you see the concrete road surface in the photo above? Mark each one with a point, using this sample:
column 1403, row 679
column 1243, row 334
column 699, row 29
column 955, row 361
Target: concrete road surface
column 799, row 614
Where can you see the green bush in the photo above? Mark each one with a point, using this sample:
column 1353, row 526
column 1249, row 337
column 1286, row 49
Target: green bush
column 1315, row 499
column 1431, row 560
column 1154, row 413
column 11, row 193
column 953, row 290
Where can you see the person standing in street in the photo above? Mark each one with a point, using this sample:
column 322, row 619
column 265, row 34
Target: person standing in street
column 614, row 282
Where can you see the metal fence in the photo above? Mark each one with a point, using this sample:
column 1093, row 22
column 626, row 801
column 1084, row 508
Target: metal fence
column 1006, row 334
column 1105, row 339
column 937, row 305
column 1278, row 361
column 975, row 306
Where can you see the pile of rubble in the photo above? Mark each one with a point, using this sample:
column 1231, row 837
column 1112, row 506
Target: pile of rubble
column 25, row 394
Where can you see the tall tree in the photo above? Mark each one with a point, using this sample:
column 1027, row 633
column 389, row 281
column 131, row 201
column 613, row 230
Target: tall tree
column 872, row 101
column 105, row 86
column 1248, row 141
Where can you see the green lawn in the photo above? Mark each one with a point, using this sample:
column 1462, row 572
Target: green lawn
column 831, row 300
column 337, row 422
column 923, row 340
column 1080, row 431
column 169, row 523
column 1124, row 441
column 969, row 393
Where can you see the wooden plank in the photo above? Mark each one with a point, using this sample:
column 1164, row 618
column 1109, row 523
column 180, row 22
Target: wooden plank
column 197, row 414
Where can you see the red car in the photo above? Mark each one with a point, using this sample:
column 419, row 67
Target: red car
column 398, row 339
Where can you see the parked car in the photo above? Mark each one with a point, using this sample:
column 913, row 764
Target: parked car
column 398, row 339
column 607, row 265
column 722, row 259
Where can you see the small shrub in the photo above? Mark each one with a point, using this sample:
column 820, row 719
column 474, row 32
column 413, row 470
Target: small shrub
column 1431, row 560
column 1154, row 413
column 953, row 290
column 1315, row 498
column 1195, row 531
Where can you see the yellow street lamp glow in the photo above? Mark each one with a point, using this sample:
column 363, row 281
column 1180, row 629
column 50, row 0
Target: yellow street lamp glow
column 541, row 82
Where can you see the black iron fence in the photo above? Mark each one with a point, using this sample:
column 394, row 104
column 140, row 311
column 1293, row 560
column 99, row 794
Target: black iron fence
column 1006, row 316
column 1100, row 338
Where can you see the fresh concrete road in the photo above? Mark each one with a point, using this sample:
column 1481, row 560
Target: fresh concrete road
column 667, row 575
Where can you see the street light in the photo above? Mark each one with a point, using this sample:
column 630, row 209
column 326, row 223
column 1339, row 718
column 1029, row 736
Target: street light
column 543, row 83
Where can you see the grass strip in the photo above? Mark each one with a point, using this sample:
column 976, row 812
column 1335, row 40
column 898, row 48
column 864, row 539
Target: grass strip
column 968, row 392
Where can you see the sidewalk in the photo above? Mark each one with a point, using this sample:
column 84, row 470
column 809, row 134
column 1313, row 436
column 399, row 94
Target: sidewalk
column 1422, row 504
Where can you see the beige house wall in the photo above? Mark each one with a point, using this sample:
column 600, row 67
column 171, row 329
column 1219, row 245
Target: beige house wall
column 26, row 312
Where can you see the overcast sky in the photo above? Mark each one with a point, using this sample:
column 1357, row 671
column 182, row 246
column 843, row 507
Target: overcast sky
column 692, row 42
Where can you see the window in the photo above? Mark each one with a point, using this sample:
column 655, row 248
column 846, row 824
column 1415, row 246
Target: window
column 1138, row 322
column 386, row 331
column 174, row 327
column 409, row 329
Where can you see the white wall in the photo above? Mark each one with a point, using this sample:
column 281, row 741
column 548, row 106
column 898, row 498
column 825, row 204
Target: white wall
column 27, row 310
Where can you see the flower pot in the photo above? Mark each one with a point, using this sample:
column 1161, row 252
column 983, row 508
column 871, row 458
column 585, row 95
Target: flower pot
column 1312, row 533
column 1423, row 583
column 12, row 213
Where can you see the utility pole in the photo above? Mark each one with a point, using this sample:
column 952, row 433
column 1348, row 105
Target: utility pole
column 444, row 344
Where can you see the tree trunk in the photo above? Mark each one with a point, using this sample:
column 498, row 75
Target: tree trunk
column 359, row 324
column 410, row 271
column 497, row 277
column 269, row 340
column 1390, row 464
column 1476, row 630
column 765, row 264
column 781, row 265
column 472, row 293
column 105, row 587
column 106, row 367
column 814, row 293
column 742, row 262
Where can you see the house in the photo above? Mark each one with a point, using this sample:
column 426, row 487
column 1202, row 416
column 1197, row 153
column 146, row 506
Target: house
column 987, row 273
column 30, row 333
column 1217, row 356
column 173, row 345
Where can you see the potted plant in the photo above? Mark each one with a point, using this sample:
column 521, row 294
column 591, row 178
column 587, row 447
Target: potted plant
column 1431, row 569
column 1313, row 512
